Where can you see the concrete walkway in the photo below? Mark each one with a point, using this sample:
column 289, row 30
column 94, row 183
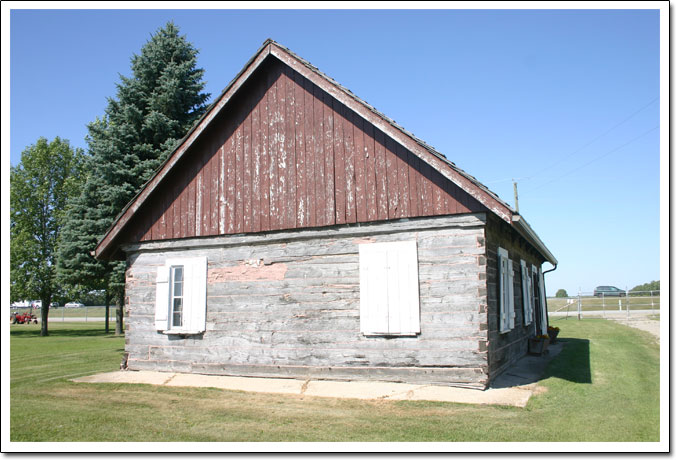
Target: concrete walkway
column 513, row 388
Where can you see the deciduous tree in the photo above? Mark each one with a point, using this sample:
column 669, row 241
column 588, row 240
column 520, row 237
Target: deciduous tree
column 642, row 289
column 49, row 172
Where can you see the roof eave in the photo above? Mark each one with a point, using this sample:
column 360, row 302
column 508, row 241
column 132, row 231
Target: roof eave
column 529, row 234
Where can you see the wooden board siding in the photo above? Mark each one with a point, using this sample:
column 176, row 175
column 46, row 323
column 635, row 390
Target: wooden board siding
column 504, row 349
column 287, row 304
column 288, row 155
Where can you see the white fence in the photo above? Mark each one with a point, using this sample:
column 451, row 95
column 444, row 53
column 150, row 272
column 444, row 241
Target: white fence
column 585, row 303
column 79, row 314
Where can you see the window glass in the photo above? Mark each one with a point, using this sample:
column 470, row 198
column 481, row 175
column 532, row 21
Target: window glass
column 177, row 296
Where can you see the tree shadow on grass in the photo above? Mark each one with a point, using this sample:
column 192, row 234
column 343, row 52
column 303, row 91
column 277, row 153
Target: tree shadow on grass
column 57, row 332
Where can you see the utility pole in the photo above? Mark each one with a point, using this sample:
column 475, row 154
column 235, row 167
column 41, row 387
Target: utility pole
column 516, row 196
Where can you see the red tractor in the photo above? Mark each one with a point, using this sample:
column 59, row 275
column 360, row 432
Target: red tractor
column 24, row 318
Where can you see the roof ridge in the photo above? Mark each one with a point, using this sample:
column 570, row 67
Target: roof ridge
column 400, row 135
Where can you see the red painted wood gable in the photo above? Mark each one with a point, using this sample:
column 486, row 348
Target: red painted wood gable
column 285, row 155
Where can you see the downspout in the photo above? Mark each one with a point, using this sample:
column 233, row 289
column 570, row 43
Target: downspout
column 545, row 288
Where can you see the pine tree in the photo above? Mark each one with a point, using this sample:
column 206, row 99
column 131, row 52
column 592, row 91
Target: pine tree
column 77, row 271
column 153, row 110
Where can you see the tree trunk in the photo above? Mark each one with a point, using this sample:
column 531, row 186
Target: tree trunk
column 119, row 326
column 107, row 311
column 44, row 315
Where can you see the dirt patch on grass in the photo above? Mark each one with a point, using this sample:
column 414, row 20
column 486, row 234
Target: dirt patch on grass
column 643, row 323
column 538, row 390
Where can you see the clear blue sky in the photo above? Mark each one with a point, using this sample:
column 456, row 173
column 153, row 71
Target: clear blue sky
column 564, row 101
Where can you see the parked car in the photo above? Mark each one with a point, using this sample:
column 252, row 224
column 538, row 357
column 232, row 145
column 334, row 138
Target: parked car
column 609, row 291
column 74, row 305
column 22, row 304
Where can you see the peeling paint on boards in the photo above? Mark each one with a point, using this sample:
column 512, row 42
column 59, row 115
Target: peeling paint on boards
column 247, row 271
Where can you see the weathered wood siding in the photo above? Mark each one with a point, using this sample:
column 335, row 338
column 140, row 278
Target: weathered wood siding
column 504, row 349
column 287, row 155
column 287, row 304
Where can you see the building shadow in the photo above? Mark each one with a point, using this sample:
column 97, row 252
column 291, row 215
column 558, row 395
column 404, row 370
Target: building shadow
column 568, row 359
column 572, row 363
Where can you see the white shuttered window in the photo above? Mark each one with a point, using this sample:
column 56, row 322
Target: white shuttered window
column 388, row 283
column 527, row 293
column 181, row 296
column 506, row 291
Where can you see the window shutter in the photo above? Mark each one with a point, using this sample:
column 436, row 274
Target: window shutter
column 531, row 283
column 395, row 304
column 501, row 295
column 403, row 295
column 543, row 302
column 531, row 300
column 198, row 295
column 413, row 288
column 373, row 289
column 502, row 290
column 161, row 298
column 510, row 293
column 525, row 291
column 389, row 293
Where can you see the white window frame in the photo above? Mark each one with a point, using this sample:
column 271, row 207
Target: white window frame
column 193, row 319
column 389, row 293
column 505, row 291
column 173, row 297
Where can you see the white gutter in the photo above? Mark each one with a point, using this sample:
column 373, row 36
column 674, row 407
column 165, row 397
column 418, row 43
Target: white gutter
column 527, row 232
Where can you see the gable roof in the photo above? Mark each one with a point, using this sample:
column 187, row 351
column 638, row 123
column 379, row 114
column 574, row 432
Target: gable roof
column 108, row 243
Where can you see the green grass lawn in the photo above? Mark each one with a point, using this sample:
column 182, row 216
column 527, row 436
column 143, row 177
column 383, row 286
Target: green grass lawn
column 611, row 303
column 604, row 386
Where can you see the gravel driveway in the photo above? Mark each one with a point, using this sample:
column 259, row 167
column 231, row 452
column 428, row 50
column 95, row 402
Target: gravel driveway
column 644, row 324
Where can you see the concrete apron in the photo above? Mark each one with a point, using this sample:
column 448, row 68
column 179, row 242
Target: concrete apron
column 513, row 388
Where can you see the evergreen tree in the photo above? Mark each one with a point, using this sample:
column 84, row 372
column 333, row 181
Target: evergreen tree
column 77, row 271
column 153, row 110
column 40, row 185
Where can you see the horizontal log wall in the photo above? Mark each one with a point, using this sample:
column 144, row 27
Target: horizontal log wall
column 285, row 154
column 506, row 348
column 287, row 304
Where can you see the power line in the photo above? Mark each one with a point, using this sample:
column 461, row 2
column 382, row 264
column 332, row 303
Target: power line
column 596, row 138
column 559, row 161
column 598, row 158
